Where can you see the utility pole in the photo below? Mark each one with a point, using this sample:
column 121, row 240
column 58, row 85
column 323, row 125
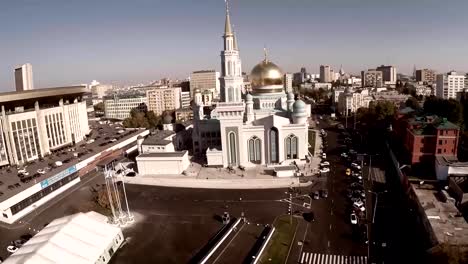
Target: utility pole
column 346, row 118
column 355, row 113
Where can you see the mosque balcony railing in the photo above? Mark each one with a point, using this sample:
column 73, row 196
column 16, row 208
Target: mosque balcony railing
column 229, row 106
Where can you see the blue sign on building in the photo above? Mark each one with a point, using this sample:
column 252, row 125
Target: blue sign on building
column 57, row 177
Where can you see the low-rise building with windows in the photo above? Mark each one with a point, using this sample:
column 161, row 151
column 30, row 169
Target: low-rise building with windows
column 119, row 107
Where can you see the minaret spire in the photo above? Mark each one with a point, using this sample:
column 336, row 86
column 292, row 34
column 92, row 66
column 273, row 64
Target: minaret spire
column 234, row 38
column 265, row 54
column 227, row 26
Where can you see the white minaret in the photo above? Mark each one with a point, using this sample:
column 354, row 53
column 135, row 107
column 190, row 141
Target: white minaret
column 231, row 70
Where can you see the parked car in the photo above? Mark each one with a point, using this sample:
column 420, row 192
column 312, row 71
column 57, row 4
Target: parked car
column 324, row 155
column 40, row 171
column 131, row 174
column 19, row 242
column 324, row 193
column 12, row 249
column 355, row 165
column 357, row 176
column 26, row 237
column 324, row 170
column 316, row 195
column 325, row 163
column 359, row 205
column 354, row 219
column 58, row 163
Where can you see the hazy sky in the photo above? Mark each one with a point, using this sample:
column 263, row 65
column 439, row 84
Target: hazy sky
column 131, row 41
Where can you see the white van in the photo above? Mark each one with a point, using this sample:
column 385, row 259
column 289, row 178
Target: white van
column 58, row 163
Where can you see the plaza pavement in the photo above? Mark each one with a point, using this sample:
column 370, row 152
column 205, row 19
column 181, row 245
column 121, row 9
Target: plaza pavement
column 218, row 183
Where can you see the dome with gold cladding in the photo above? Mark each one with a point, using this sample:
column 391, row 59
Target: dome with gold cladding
column 266, row 77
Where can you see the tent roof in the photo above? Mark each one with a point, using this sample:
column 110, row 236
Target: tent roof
column 75, row 239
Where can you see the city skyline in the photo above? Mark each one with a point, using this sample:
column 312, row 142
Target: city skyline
column 124, row 43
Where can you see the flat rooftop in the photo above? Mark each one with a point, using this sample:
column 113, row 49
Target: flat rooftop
column 451, row 161
column 446, row 221
column 164, row 154
column 41, row 93
column 101, row 133
column 158, row 137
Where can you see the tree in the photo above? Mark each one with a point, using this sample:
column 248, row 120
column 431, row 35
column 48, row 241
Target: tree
column 153, row 120
column 413, row 103
column 464, row 105
column 450, row 109
column 99, row 107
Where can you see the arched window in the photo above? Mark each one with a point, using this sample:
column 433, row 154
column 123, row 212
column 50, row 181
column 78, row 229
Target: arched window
column 274, row 145
column 255, row 151
column 232, row 149
column 291, row 145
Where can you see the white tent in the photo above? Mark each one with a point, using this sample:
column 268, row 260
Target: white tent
column 76, row 239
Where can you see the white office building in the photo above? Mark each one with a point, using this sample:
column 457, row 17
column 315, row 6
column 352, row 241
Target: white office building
column 162, row 99
column 349, row 102
column 448, row 85
column 99, row 90
column 24, row 78
column 184, row 99
column 119, row 107
column 36, row 122
column 159, row 156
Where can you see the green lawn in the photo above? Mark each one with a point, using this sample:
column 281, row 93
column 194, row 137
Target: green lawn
column 278, row 247
column 312, row 141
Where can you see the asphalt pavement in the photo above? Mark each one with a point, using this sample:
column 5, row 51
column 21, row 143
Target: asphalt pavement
column 331, row 234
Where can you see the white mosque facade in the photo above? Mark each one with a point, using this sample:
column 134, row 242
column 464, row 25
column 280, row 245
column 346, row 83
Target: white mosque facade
column 264, row 127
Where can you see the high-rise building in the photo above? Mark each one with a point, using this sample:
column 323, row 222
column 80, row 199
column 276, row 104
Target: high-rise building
column 288, row 81
column 205, row 80
column 184, row 99
column 24, row 78
column 119, row 107
column 448, row 85
column 325, row 73
column 389, row 74
column 163, row 99
column 426, row 76
column 332, row 75
column 372, row 78
column 99, row 90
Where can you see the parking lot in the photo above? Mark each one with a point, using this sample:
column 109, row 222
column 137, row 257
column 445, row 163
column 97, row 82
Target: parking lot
column 15, row 179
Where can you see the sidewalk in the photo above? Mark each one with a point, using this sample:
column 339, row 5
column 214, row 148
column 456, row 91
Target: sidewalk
column 217, row 183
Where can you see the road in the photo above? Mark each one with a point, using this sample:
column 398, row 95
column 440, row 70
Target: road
column 177, row 222
column 330, row 235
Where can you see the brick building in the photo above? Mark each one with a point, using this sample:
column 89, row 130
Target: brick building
column 426, row 137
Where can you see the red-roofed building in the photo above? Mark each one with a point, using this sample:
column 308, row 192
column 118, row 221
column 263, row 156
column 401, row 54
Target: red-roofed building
column 426, row 137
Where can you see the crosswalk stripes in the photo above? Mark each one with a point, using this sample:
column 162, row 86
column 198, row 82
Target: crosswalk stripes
column 318, row 258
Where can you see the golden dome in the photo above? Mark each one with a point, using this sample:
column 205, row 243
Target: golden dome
column 266, row 77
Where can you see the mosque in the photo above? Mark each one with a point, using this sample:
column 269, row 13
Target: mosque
column 264, row 127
